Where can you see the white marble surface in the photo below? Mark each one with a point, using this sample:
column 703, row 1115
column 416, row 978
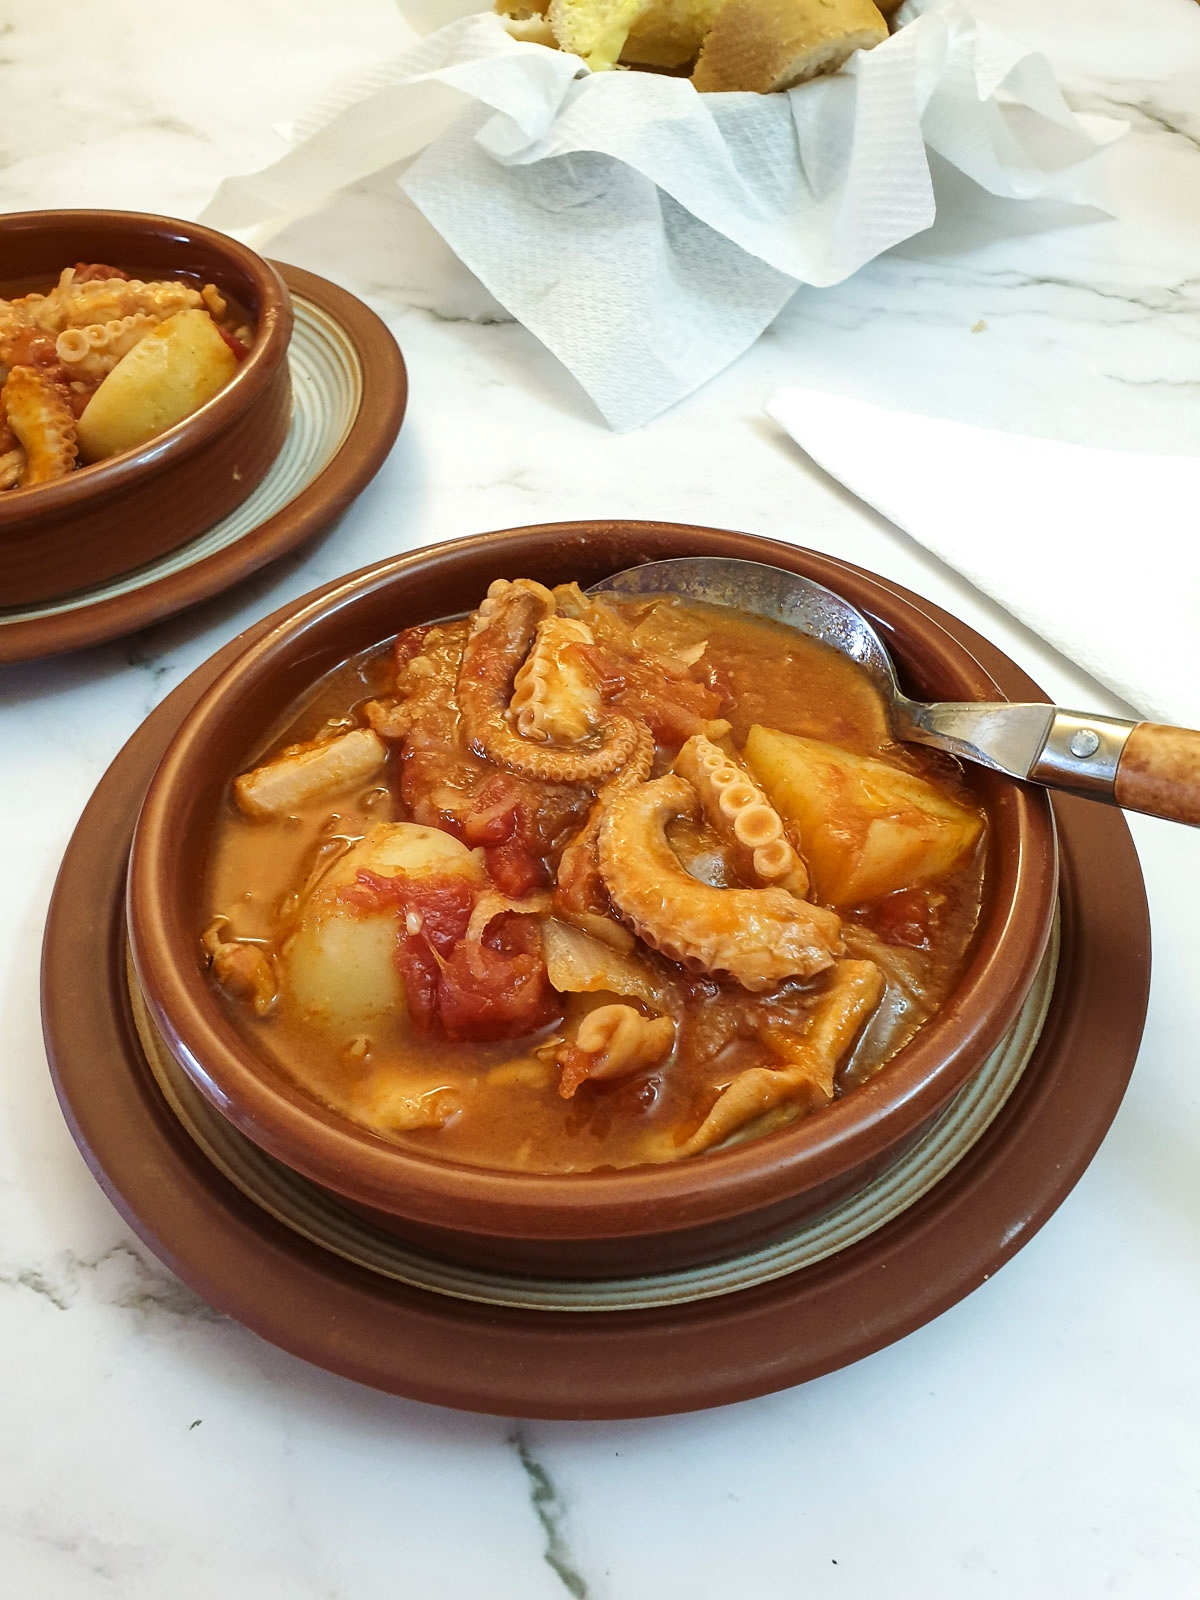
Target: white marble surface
column 1042, row 1439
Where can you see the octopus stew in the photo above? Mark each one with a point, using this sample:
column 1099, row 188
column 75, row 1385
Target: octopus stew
column 102, row 363
column 580, row 882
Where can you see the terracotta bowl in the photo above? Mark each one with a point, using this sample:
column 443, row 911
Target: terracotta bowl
column 106, row 519
column 631, row 1221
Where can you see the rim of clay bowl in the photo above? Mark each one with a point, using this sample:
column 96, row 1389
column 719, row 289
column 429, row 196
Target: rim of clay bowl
column 174, row 832
column 273, row 330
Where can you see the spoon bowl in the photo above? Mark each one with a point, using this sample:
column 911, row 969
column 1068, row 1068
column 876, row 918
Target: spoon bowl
column 1141, row 766
column 764, row 591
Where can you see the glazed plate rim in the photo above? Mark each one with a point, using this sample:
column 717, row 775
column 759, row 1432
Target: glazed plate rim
column 624, row 1363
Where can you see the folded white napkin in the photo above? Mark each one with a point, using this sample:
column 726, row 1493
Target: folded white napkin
column 646, row 233
column 1095, row 550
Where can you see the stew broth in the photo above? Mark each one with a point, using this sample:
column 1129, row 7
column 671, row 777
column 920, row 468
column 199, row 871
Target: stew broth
column 517, row 1088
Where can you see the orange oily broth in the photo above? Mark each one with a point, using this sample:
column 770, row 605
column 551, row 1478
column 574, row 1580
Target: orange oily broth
column 512, row 1115
column 809, row 688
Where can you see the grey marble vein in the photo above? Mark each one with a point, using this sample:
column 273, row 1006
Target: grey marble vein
column 113, row 1562
column 1143, row 109
column 118, row 1276
column 551, row 1512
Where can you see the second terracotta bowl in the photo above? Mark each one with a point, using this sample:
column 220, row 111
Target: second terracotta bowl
column 633, row 1221
column 103, row 520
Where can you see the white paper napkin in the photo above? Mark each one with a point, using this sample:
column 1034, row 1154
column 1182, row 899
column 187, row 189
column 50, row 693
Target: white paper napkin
column 647, row 234
column 1095, row 550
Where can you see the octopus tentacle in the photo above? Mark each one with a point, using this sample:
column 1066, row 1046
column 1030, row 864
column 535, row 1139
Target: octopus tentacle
column 855, row 989
column 637, row 768
column 12, row 322
column 12, row 465
column 612, row 1042
column 501, row 637
column 41, row 419
column 90, row 353
column 74, row 304
column 741, row 813
column 579, row 894
column 555, row 694
column 758, row 936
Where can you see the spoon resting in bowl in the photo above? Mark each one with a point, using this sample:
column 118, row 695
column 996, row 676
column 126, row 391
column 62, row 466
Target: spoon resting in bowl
column 1141, row 766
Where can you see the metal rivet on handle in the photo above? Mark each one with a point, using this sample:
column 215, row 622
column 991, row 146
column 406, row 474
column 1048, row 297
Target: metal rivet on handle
column 1084, row 743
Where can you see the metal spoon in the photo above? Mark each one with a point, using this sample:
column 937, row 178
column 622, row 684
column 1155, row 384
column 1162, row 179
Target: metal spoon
column 1142, row 766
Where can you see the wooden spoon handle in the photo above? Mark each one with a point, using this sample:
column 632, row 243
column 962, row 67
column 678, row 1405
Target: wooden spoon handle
column 1143, row 766
column 1159, row 773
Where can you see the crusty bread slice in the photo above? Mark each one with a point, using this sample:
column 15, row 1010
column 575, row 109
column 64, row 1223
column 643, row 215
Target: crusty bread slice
column 669, row 33
column 533, row 29
column 594, row 29
column 764, row 45
column 526, row 20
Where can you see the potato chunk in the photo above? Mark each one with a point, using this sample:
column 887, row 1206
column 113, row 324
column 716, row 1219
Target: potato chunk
column 167, row 375
column 340, row 964
column 866, row 828
column 408, row 848
column 341, row 968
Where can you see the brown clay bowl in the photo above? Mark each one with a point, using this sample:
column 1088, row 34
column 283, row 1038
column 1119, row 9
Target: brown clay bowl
column 106, row 519
column 632, row 1221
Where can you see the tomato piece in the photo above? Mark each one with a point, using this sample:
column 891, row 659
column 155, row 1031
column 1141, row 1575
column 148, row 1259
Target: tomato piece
column 718, row 680
column 579, row 889
column 33, row 347
column 514, row 870
column 486, row 994
column 905, row 918
column 533, row 816
column 442, row 903
column 235, row 344
column 608, row 668
column 498, row 989
column 496, row 811
column 576, row 1066
column 674, row 708
column 419, row 972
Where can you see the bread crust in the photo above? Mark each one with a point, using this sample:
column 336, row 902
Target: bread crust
column 669, row 33
column 767, row 45
column 748, row 45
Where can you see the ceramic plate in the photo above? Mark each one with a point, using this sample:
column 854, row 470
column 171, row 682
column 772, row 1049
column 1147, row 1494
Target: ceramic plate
column 349, row 390
column 1018, row 1150
column 316, row 1216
